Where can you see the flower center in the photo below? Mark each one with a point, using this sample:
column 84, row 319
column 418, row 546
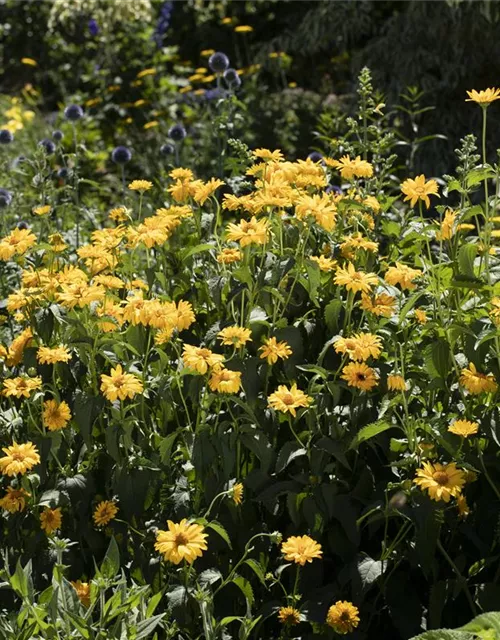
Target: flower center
column 119, row 381
column 344, row 616
column 441, row 477
column 361, row 377
column 17, row 455
column 181, row 539
column 288, row 399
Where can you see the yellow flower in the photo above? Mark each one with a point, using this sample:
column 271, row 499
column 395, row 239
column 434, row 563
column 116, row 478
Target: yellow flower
column 266, row 154
column 146, row 72
column 237, row 494
column 272, row 350
column 228, row 256
column 355, row 280
column 104, row 513
column 57, row 242
column 82, row 591
column 16, row 243
column 419, row 189
column 235, row 336
column 301, row 549
column 483, row 98
column 476, row 382
column 441, row 481
column 206, row 53
column 21, row 387
column 224, row 380
column 80, row 294
column 247, row 232
column 29, row 62
column 447, row 224
column 495, row 312
column 360, row 347
column 50, row 520
column 289, row 616
column 140, row 185
column 183, row 541
column 14, row 500
column 321, row 207
column 463, row 428
column 56, row 415
column 119, row 214
column 288, row 400
column 151, row 125
column 395, row 382
column 462, row 506
column 324, row 263
column 420, row 316
column 359, row 375
column 51, row 355
column 200, row 359
column 120, row 385
column 357, row 241
column 349, row 169
column 14, row 354
column 19, row 458
column 42, row 210
column 381, row 305
column 343, row 617
column 207, row 189
column 243, row 28
column 402, row 275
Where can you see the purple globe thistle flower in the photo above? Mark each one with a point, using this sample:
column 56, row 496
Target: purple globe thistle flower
column 6, row 136
column 57, row 135
column 332, row 188
column 22, row 225
column 177, row 133
column 315, row 156
column 48, row 146
column 73, row 112
column 5, row 198
column 93, row 27
column 232, row 78
column 166, row 149
column 163, row 22
column 218, row 62
column 121, row 155
column 212, row 94
column 62, row 173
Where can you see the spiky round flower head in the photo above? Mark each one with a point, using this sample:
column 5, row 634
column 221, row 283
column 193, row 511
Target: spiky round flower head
column 343, row 617
column 301, row 549
column 315, row 156
column 177, row 133
column 57, row 135
column 23, row 225
column 218, row 62
column 93, row 27
column 5, row 198
column 121, row 155
column 167, row 149
column 73, row 112
column 232, row 78
column 48, row 146
column 6, row 136
column 62, row 173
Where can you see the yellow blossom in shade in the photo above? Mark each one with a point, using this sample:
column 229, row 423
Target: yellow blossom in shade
column 29, row 62
column 289, row 616
column 120, row 385
column 355, row 242
column 247, row 232
column 243, row 28
column 463, row 428
column 325, row 264
column 80, row 294
column 360, row 346
column 355, row 280
column 21, row 387
column 418, row 189
column 19, row 458
column 381, row 305
column 495, row 312
column 51, row 355
column 301, row 549
column 237, row 493
column 14, row 500
column 355, row 168
column 228, row 256
column 476, row 382
column 402, row 275
column 200, row 359
column 447, row 231
column 57, row 242
column 343, row 617
column 420, row 316
column 50, row 520
column 82, row 591
column 16, row 243
column 463, row 507
column 320, row 207
column 441, row 481
column 119, row 214
column 267, row 154
column 225, row 380
column 151, row 125
column 484, row 97
column 56, row 415
column 395, row 382
column 359, row 375
column 207, row 189
column 372, row 203
column 235, row 336
column 42, row 210
column 271, row 350
column 206, row 53
column 146, row 72
column 288, row 400
column 14, row 354
column 183, row 541
column 465, row 226
column 104, row 513
column 140, row 185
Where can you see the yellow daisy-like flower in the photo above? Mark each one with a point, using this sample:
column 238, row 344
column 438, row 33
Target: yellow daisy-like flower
column 207, row 189
column 476, row 382
column 21, row 387
column 420, row 316
column 57, row 242
column 247, row 232
column 463, row 428
column 235, row 336
column 42, row 210
column 267, row 154
column 271, row 350
column 200, row 359
column 50, row 520
column 14, row 500
column 402, row 275
column 228, row 256
column 29, row 62
column 447, row 226
column 289, row 616
column 462, row 506
column 56, row 415
column 19, row 458
column 343, row 617
column 16, row 243
column 51, row 355
column 355, row 280
column 301, row 549
column 419, row 189
column 441, row 481
column 82, row 591
column 120, row 385
column 360, row 347
column 119, row 214
column 237, row 494
column 104, row 513
column 349, row 169
column 325, row 264
column 243, row 28
column 359, row 375
column 395, row 382
column 381, row 305
column 183, row 541
column 225, row 380
column 484, row 97
column 140, row 185
column 288, row 400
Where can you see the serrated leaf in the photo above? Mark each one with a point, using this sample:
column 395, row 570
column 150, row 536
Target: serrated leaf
column 332, row 314
column 111, row 563
column 218, row 528
column 368, row 432
column 466, row 256
column 209, row 576
column 257, row 569
column 146, row 627
column 198, row 249
column 369, row 570
column 288, row 452
column 245, row 587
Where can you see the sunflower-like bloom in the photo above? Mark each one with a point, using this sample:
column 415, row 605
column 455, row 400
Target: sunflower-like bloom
column 56, row 415
column 140, row 185
column 237, row 493
column 484, row 97
column 403, row 275
column 442, row 481
column 21, row 387
column 357, row 241
column 82, row 591
column 205, row 190
column 51, row 355
column 463, row 428
column 420, row 316
column 247, row 232
column 447, row 226
column 16, row 243
column 476, row 382
column 355, row 280
column 325, row 264
column 200, row 359
column 462, row 506
column 301, row 549
column 228, row 256
column 320, row 207
column 355, row 168
column 235, row 336
column 50, row 520
column 271, row 350
column 183, row 541
column 343, row 617
column 289, row 616
column 359, row 375
column 419, row 189
column 360, row 347
column 381, row 305
column 14, row 354
column 104, row 513
column 495, row 312
column 225, row 380
column 119, row 385
column 288, row 400
column 42, row 210
column 19, row 458
column 14, row 500
column 395, row 382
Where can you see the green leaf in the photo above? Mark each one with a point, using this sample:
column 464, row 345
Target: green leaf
column 146, row 627
column 198, row 249
column 288, row 452
column 484, row 622
column 466, row 257
column 218, row 528
column 368, row 432
column 19, row 581
column 209, row 576
column 443, row 634
column 479, row 175
column 111, row 563
column 369, row 571
column 246, row 588
column 332, row 314
column 50, row 498
column 257, row 569
column 437, row 359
